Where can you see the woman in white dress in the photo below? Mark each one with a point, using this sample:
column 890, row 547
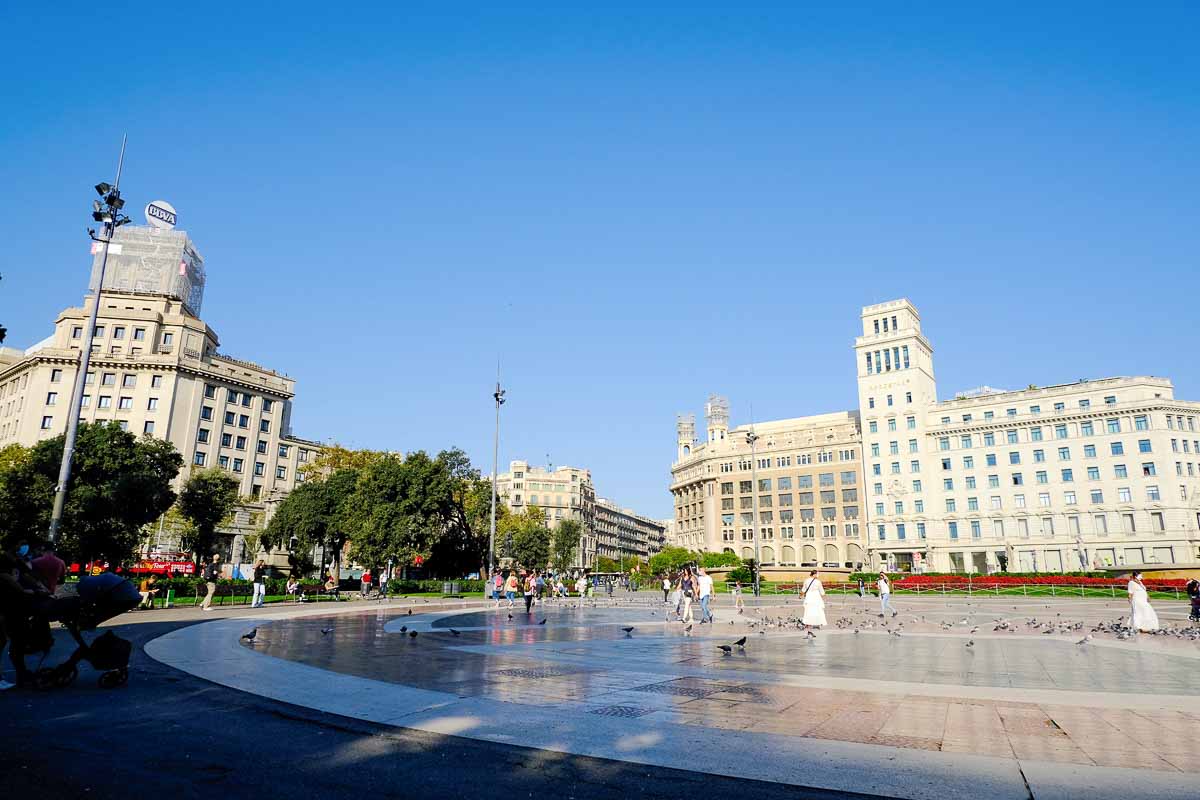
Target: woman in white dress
column 1141, row 616
column 814, row 604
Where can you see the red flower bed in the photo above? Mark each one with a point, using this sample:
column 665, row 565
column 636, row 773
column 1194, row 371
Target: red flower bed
column 989, row 581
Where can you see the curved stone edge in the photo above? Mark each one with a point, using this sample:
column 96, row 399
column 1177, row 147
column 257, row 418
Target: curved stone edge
column 211, row 651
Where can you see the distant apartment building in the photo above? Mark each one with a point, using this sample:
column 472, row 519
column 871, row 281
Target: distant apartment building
column 567, row 493
column 156, row 370
column 797, row 492
column 1079, row 475
column 622, row 533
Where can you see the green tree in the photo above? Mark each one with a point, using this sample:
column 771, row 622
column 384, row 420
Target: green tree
column 462, row 547
column 207, row 498
column 398, row 510
column 718, row 560
column 672, row 559
column 564, row 543
column 312, row 513
column 529, row 537
column 606, row 564
column 119, row 483
column 333, row 458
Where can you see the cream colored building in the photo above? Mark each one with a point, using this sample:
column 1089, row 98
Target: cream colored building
column 568, row 493
column 563, row 493
column 623, row 533
column 805, row 472
column 1087, row 474
column 156, row 369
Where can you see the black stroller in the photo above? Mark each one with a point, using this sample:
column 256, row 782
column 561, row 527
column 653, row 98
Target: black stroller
column 100, row 597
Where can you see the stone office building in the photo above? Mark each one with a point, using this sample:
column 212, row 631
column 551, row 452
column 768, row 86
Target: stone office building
column 1078, row 475
column 156, row 369
column 805, row 473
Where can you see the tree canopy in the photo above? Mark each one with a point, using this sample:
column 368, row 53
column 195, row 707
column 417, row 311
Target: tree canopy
column 526, row 538
column 207, row 498
column 119, row 483
column 564, row 543
column 312, row 514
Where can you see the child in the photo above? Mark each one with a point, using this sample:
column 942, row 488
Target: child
column 738, row 602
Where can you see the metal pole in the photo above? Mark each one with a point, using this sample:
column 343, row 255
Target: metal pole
column 85, row 358
column 498, row 395
column 752, row 438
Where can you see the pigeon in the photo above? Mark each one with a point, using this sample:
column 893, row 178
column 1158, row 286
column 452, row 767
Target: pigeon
column 249, row 637
column 627, row 631
column 971, row 643
column 688, row 629
column 455, row 633
column 326, row 631
column 741, row 642
column 412, row 634
column 410, row 612
column 724, row 648
column 404, row 629
column 1085, row 639
column 543, row 622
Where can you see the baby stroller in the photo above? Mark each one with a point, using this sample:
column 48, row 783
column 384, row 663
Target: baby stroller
column 99, row 598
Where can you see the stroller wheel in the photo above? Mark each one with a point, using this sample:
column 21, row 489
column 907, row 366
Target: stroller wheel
column 67, row 676
column 114, row 678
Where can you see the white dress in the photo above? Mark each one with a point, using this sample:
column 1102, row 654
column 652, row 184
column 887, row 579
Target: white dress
column 814, row 603
column 1141, row 615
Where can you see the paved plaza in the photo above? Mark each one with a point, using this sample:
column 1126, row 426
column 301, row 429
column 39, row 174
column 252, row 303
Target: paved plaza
column 1019, row 712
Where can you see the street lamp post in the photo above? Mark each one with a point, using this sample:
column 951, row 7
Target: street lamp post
column 106, row 211
column 498, row 396
column 752, row 439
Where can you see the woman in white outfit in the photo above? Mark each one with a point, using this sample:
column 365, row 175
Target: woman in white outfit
column 814, row 604
column 1141, row 615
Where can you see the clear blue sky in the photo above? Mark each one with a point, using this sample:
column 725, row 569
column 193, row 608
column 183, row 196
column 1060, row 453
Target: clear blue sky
column 631, row 206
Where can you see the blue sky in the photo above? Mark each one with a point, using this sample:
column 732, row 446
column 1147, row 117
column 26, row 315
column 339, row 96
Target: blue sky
column 630, row 206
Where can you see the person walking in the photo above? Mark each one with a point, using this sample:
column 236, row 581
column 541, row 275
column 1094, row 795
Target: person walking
column 739, row 601
column 530, row 588
column 1193, row 593
column 497, row 587
column 704, row 586
column 365, row 581
column 885, row 595
column 814, row 605
column 212, row 574
column 666, row 587
column 510, row 588
column 1141, row 616
column 687, row 585
column 383, row 582
column 260, row 585
column 539, row 585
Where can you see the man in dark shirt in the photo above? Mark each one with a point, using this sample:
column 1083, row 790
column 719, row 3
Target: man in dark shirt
column 212, row 574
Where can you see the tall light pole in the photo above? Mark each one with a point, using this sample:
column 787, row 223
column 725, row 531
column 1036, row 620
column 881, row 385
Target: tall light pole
column 752, row 439
column 106, row 211
column 498, row 396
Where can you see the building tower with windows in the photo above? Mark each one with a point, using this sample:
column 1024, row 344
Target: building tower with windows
column 1082, row 475
column 716, row 415
column 685, row 433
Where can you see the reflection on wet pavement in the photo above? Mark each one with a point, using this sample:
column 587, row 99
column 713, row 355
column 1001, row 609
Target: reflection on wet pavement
column 582, row 661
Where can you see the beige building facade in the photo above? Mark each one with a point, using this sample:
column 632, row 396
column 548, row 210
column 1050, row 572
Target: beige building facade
column 798, row 492
column 568, row 493
column 623, row 533
column 156, row 370
column 1075, row 476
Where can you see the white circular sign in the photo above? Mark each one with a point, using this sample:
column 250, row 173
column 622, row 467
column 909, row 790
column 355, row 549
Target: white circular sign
column 160, row 214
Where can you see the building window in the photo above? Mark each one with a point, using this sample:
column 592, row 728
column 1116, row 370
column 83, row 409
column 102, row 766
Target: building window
column 108, row 379
column 1086, row 429
column 952, row 527
column 1014, row 457
column 139, row 334
column 47, row 422
column 281, row 472
column 199, row 458
column 266, row 406
column 156, row 381
column 260, row 468
column 230, row 418
column 1117, row 448
column 1017, row 479
column 1141, row 423
column 1124, row 495
column 1113, row 425
column 202, row 435
column 241, row 443
column 148, row 427
column 105, row 401
column 210, row 391
column 152, row 404
column 1144, row 446
column 1152, row 494
column 77, row 332
column 237, row 467
column 1148, row 470
column 51, row 398
column 243, row 421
